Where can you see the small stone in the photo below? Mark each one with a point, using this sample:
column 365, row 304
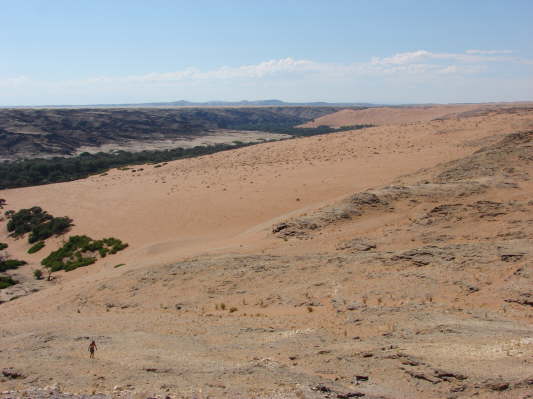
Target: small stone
column 11, row 373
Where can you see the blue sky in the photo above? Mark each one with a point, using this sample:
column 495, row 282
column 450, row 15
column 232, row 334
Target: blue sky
column 127, row 51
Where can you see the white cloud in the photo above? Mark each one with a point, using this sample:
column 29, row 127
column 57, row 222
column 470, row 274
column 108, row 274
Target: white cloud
column 461, row 69
column 402, row 58
column 254, row 71
column 401, row 74
column 489, row 52
column 478, row 56
column 417, row 62
column 409, row 63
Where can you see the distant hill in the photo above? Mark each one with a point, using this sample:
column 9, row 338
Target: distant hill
column 46, row 132
column 258, row 103
column 184, row 103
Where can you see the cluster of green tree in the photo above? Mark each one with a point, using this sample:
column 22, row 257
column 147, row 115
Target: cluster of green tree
column 32, row 172
column 81, row 251
column 7, row 281
column 39, row 223
column 10, row 264
column 297, row 131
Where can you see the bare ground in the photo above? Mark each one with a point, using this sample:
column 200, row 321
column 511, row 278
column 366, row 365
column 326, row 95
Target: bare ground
column 391, row 262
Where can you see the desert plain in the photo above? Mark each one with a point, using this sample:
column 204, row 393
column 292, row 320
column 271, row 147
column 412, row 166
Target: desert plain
column 390, row 262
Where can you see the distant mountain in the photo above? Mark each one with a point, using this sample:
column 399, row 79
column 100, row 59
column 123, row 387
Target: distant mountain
column 243, row 103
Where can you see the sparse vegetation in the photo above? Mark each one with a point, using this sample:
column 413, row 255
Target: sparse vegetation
column 7, row 281
column 32, row 172
column 233, row 309
column 37, row 247
column 3, row 246
column 36, row 221
column 119, row 265
column 38, row 274
column 10, row 264
column 80, row 251
column 298, row 131
column 36, row 171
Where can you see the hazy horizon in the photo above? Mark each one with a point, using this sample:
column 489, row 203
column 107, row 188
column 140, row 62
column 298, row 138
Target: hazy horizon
column 251, row 103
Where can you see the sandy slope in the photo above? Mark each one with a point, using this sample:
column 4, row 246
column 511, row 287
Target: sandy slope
column 401, row 115
column 219, row 196
column 160, row 323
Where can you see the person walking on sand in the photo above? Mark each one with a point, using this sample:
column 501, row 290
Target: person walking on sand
column 92, row 348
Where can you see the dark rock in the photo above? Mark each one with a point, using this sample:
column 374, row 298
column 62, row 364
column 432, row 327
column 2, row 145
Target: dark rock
column 155, row 370
column 321, row 388
column 355, row 306
column 526, row 299
column 279, row 227
column 423, row 376
column 511, row 257
column 498, row 386
column 11, row 373
column 350, row 395
column 448, row 375
column 367, row 199
column 410, row 362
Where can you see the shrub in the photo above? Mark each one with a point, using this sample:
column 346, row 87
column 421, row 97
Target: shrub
column 38, row 274
column 39, row 223
column 53, row 227
column 3, row 246
column 37, row 247
column 23, row 221
column 7, row 281
column 10, row 264
column 80, row 251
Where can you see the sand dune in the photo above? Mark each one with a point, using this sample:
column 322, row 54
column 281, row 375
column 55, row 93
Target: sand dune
column 415, row 298
column 401, row 115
